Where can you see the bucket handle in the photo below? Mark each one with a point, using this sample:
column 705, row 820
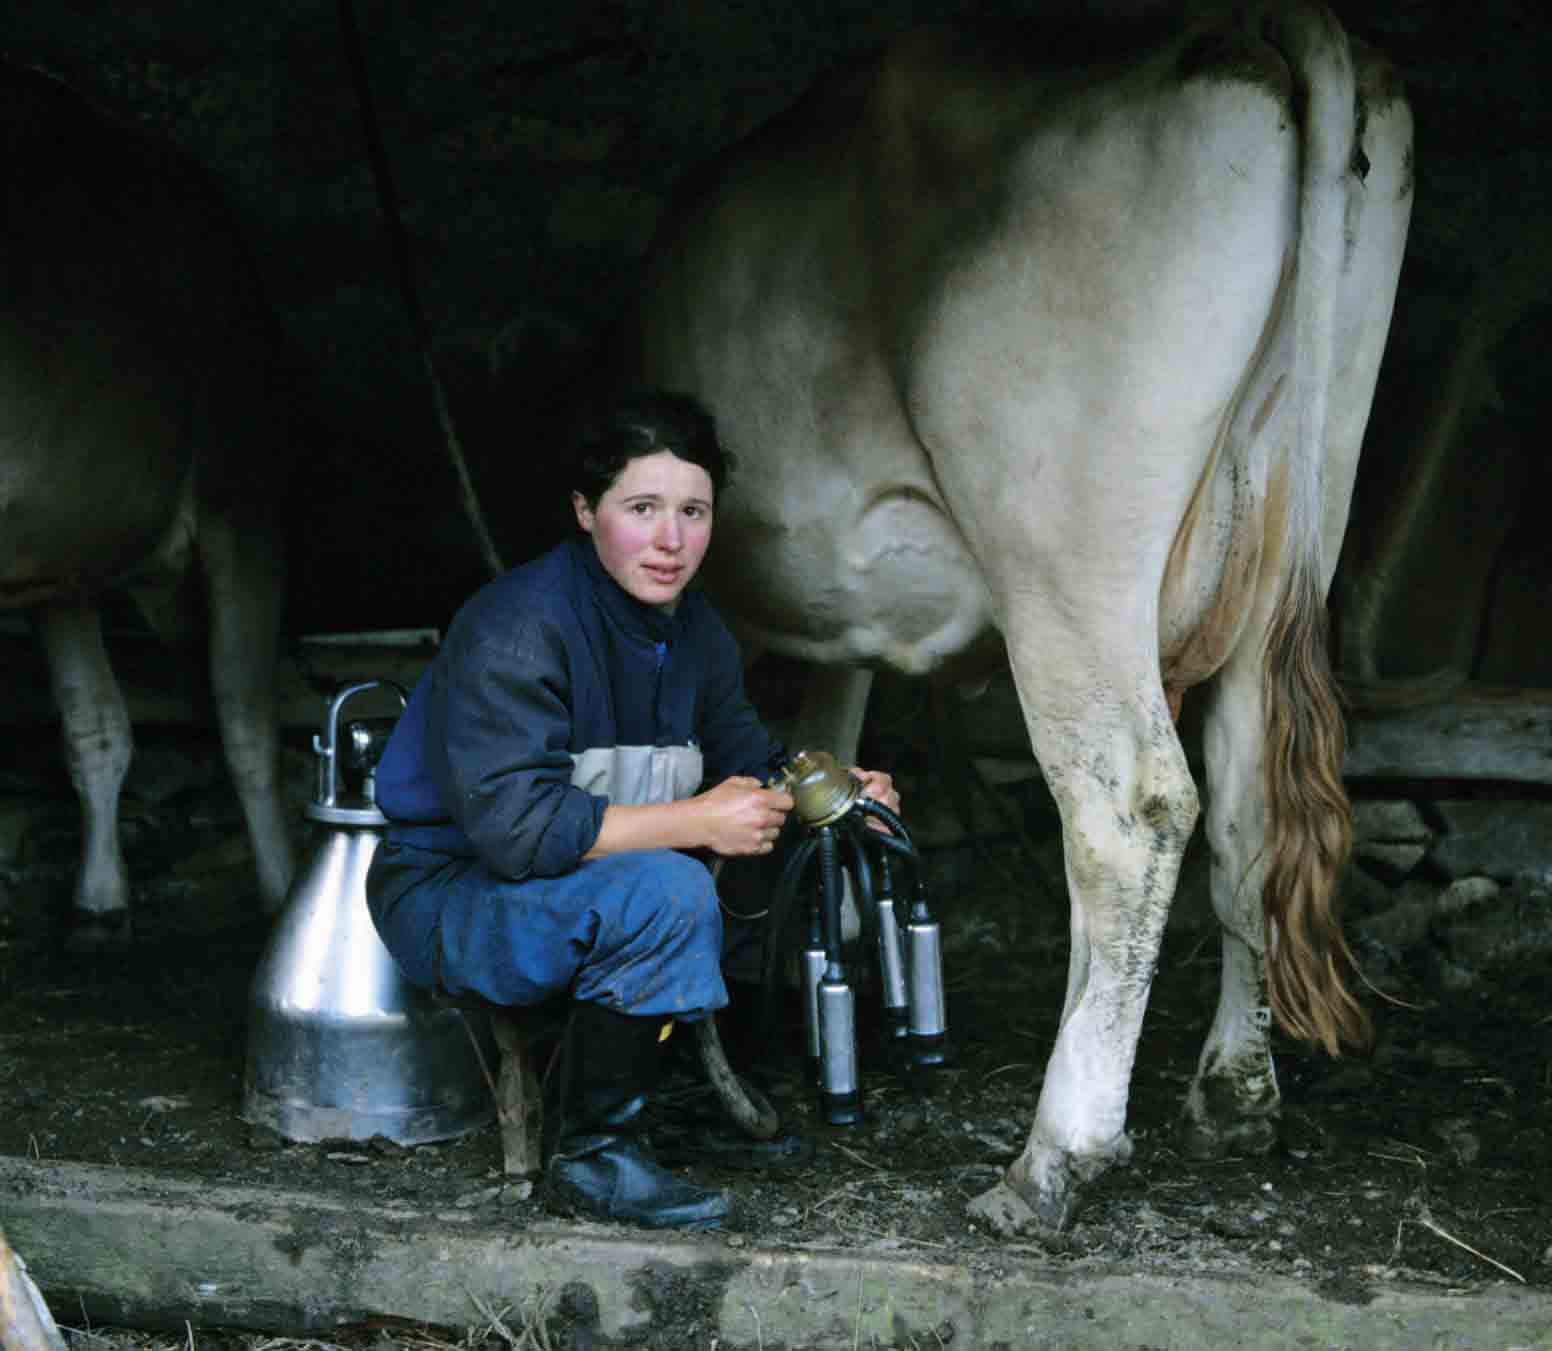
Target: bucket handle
column 327, row 750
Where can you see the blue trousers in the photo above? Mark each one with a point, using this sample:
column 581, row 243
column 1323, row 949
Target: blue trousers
column 639, row 932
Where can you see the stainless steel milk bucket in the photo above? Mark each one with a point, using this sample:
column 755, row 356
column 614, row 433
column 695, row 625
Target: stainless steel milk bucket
column 340, row 1045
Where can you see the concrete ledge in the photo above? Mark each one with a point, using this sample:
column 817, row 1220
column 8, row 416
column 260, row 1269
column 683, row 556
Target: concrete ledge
column 145, row 1250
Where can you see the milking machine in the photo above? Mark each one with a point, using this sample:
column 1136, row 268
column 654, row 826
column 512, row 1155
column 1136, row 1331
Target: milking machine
column 849, row 835
column 340, row 1044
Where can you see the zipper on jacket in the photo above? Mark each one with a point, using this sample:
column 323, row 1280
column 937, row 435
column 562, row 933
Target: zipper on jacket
column 659, row 661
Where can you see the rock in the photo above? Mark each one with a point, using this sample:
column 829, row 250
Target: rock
column 1466, row 892
column 1365, row 894
column 1390, row 837
column 1425, row 914
column 1388, row 822
column 1496, row 839
column 1405, row 924
column 1389, row 862
column 1488, row 938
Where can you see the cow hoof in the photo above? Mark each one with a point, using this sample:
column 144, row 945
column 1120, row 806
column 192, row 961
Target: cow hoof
column 1009, row 1215
column 97, row 931
column 1209, row 1140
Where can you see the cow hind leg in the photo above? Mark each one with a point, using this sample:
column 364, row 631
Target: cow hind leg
column 1233, row 1101
column 97, row 740
column 1128, row 806
column 244, row 579
column 1280, row 829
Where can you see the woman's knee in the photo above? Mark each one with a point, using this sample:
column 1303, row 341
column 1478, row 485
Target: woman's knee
column 680, row 893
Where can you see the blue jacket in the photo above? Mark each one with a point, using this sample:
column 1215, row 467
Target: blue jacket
column 552, row 677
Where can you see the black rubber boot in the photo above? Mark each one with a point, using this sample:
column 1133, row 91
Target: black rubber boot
column 596, row 1161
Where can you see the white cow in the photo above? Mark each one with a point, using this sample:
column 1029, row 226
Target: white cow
column 142, row 433
column 1073, row 342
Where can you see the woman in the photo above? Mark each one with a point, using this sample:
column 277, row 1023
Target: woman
column 545, row 780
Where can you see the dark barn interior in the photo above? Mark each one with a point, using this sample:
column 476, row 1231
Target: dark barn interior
column 532, row 150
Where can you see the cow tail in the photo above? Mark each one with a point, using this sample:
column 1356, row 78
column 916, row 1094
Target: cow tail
column 1309, row 834
column 1309, row 817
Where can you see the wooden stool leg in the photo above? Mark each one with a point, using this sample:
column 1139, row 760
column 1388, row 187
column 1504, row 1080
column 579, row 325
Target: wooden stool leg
column 519, row 1107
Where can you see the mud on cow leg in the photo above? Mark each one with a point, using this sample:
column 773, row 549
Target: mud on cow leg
column 1043, row 1206
column 96, row 734
column 1128, row 807
column 1233, row 1102
column 1233, row 1105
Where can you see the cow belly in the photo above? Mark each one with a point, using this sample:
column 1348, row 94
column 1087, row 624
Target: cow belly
column 78, row 512
column 891, row 583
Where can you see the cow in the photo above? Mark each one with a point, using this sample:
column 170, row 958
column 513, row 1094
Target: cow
column 143, row 431
column 1059, row 343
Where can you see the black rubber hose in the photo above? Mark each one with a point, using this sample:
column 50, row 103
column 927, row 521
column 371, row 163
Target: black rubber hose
column 862, row 875
column 783, row 903
column 749, row 1108
column 830, row 881
column 901, row 848
column 877, row 809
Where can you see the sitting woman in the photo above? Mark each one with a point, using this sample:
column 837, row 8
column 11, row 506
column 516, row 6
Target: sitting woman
column 544, row 784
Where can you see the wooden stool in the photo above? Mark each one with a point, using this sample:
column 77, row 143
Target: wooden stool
column 518, row 1093
column 515, row 1085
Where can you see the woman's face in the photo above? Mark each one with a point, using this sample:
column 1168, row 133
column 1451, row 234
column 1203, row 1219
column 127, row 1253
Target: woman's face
column 652, row 526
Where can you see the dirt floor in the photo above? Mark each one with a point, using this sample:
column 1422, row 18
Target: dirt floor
column 1426, row 1162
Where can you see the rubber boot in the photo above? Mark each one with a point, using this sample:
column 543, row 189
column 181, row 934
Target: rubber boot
column 596, row 1160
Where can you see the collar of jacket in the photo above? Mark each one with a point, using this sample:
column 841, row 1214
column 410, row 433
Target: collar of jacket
column 639, row 622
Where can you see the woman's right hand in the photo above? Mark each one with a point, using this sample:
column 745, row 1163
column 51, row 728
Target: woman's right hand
column 740, row 816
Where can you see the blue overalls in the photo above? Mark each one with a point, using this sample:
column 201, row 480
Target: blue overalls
column 554, row 694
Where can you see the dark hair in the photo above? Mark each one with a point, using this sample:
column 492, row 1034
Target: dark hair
column 643, row 423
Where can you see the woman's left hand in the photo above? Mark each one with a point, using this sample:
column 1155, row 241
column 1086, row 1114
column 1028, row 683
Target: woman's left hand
column 881, row 788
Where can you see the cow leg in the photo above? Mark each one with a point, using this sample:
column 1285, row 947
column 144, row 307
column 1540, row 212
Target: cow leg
column 98, row 744
column 244, row 580
column 1232, row 1104
column 1105, row 741
column 835, row 702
